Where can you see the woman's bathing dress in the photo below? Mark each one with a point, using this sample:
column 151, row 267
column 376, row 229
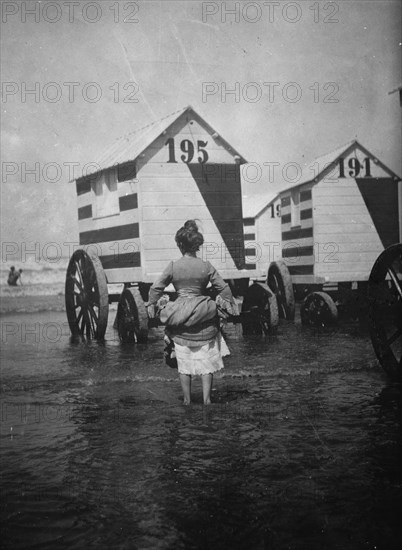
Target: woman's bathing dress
column 192, row 320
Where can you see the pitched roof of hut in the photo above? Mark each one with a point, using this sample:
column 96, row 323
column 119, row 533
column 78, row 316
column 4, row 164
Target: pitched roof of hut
column 130, row 146
column 254, row 205
column 323, row 165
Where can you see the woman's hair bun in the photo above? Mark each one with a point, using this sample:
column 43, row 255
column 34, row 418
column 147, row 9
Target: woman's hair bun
column 190, row 225
column 188, row 238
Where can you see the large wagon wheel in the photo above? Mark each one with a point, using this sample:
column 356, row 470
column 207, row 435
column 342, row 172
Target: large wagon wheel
column 385, row 302
column 280, row 282
column 259, row 310
column 132, row 318
column 87, row 302
column 318, row 309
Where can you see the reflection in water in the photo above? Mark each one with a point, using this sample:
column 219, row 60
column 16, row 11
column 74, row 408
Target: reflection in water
column 300, row 449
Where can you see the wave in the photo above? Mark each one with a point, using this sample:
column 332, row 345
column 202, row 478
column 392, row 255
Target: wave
column 39, row 279
column 33, row 263
column 170, row 375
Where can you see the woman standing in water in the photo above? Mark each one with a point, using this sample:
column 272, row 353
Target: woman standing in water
column 192, row 320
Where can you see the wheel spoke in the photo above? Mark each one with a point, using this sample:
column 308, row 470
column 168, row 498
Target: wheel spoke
column 395, row 280
column 79, row 272
column 92, row 325
column 92, row 312
column 82, row 323
column 86, row 324
column 79, row 285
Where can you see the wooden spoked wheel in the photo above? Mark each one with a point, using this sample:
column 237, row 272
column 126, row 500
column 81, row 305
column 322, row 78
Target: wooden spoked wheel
column 385, row 302
column 259, row 310
column 132, row 318
column 280, row 282
column 87, row 302
column 318, row 310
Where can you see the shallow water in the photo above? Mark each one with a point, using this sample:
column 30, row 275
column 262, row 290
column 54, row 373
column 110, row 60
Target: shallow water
column 301, row 448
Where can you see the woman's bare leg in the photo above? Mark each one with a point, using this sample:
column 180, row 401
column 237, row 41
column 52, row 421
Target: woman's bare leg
column 206, row 387
column 185, row 380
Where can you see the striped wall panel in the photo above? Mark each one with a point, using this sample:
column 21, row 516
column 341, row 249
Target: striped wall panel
column 117, row 255
column 128, row 202
column 108, row 234
column 127, row 171
column 114, row 238
column 306, row 214
column 301, row 269
column 297, row 241
column 250, row 251
column 113, row 261
column 297, row 233
column 85, row 212
column 83, row 186
column 305, row 195
column 297, row 251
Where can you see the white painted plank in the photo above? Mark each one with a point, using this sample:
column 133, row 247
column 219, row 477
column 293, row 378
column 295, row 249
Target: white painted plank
column 115, row 248
column 124, row 218
column 169, row 227
column 356, row 227
column 338, row 199
column 125, row 275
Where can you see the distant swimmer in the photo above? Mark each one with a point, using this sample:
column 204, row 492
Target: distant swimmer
column 13, row 276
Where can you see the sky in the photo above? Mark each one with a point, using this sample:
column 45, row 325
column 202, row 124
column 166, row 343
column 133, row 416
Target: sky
column 305, row 77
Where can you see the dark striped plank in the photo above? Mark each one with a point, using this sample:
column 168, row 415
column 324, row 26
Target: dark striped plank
column 249, row 236
column 83, row 186
column 250, row 251
column 285, row 218
column 305, row 195
column 127, row 171
column 248, row 221
column 250, row 266
column 285, row 202
column 128, row 202
column 306, row 214
column 299, row 233
column 85, row 212
column 119, row 261
column 118, row 233
column 301, row 269
column 296, row 251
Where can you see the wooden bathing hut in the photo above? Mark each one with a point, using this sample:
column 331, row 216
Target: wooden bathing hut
column 262, row 231
column 335, row 223
column 143, row 189
column 148, row 183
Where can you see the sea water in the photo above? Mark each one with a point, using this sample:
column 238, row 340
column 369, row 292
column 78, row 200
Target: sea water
column 301, row 448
